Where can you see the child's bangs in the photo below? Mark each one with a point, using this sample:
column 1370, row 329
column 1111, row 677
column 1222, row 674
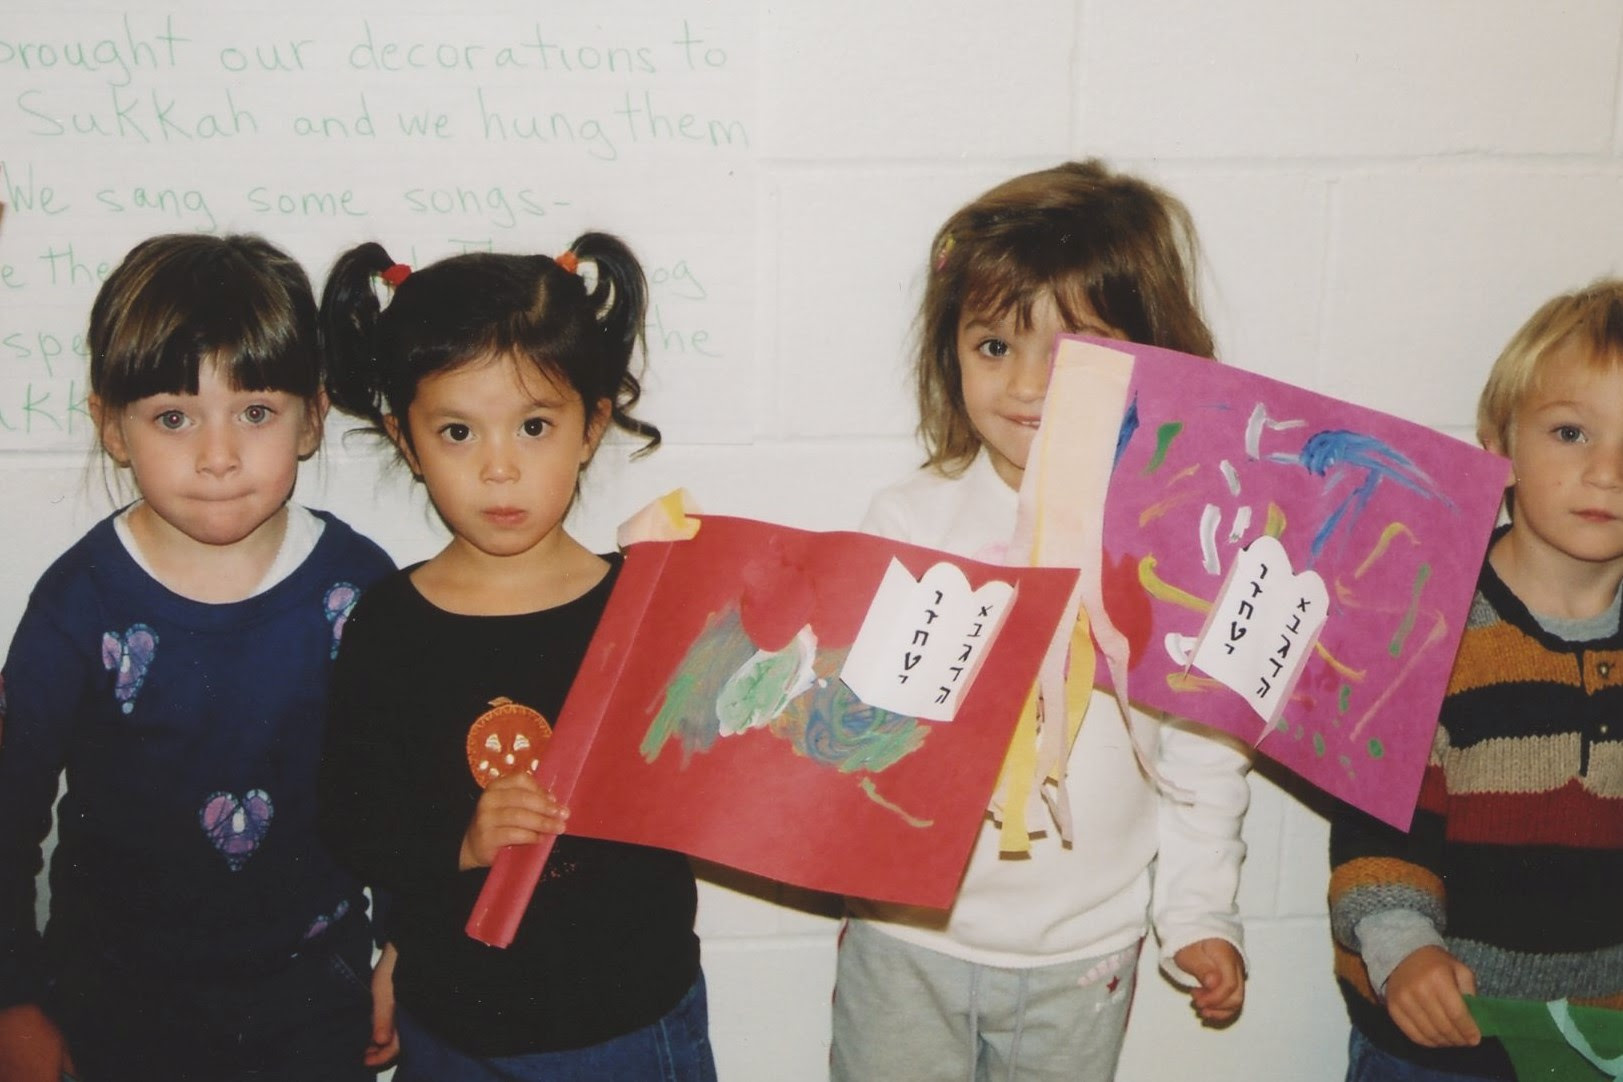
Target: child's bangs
column 1000, row 289
column 1594, row 336
column 525, row 359
column 1606, row 329
column 264, row 353
column 256, row 347
column 1010, row 287
column 173, row 364
column 161, row 348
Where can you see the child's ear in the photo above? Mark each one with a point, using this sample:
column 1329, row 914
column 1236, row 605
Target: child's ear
column 397, row 436
column 109, row 429
column 1497, row 446
column 597, row 423
column 315, row 422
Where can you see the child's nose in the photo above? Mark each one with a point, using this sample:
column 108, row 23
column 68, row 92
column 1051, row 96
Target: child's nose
column 500, row 463
column 1028, row 378
column 1606, row 467
column 217, row 450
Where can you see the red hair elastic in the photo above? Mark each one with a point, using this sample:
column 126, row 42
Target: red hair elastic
column 567, row 261
column 395, row 274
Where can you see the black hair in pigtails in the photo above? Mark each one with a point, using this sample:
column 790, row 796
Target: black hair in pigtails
column 350, row 315
column 620, row 294
column 471, row 308
column 619, row 300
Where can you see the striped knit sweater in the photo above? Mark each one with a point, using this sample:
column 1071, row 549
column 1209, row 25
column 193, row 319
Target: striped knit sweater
column 1516, row 852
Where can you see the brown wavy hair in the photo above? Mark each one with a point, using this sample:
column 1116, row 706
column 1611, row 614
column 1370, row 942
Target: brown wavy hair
column 1080, row 233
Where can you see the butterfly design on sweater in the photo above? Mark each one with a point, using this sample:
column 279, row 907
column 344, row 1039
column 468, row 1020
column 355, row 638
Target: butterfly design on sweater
column 129, row 656
column 235, row 826
column 338, row 604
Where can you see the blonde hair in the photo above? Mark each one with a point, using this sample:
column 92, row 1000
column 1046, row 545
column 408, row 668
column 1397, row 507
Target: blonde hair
column 1591, row 317
column 1079, row 233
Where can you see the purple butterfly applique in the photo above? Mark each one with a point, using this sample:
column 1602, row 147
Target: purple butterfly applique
column 129, row 655
column 236, row 827
column 338, row 603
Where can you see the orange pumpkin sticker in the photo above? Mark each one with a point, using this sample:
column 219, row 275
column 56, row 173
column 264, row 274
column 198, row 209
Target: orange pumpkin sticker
column 507, row 738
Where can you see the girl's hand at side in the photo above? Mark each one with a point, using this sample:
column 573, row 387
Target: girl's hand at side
column 514, row 810
column 1216, row 964
column 31, row 1047
column 1425, row 996
column 385, row 1043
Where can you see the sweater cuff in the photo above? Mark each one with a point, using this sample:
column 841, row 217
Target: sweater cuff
column 1386, row 938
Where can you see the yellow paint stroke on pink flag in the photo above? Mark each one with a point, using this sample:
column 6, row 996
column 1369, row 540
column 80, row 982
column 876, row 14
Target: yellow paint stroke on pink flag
column 1347, row 671
column 1159, row 587
column 1276, row 520
column 1184, row 681
column 1157, row 510
column 1393, row 529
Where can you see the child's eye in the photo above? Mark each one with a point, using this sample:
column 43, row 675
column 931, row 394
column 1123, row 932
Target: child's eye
column 457, row 433
column 171, row 420
column 258, row 414
column 1569, row 433
column 536, row 426
column 993, row 347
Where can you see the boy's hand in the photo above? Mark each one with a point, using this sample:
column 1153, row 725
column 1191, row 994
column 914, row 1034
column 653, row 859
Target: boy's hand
column 1425, row 994
column 385, row 1043
column 1216, row 964
column 514, row 810
column 31, row 1047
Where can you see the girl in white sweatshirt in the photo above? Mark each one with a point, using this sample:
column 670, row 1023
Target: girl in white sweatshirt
column 1031, row 972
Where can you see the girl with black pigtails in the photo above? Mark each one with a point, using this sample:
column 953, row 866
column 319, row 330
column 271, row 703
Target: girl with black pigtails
column 495, row 377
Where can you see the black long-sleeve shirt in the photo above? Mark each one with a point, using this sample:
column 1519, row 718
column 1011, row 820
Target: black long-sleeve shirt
column 606, row 946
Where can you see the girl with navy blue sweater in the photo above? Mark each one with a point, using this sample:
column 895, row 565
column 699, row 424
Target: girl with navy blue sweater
column 174, row 662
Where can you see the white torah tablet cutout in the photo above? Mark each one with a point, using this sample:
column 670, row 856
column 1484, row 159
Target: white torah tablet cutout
column 1262, row 627
column 923, row 640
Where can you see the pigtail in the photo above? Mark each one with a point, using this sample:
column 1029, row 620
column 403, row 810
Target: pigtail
column 619, row 299
column 350, row 313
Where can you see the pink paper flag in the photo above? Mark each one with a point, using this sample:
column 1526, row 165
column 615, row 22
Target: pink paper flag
column 1289, row 568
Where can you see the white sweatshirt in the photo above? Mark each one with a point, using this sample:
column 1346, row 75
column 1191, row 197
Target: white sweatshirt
column 1138, row 857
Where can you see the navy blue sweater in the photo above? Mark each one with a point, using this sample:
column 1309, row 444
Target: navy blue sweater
column 190, row 734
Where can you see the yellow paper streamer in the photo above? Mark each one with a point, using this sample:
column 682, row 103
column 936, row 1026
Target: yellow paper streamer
column 1015, row 779
column 1078, row 685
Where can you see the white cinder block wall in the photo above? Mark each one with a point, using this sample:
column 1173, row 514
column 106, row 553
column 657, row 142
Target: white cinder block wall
column 1384, row 191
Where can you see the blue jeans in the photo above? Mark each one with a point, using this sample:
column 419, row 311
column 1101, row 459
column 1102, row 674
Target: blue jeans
column 1367, row 1063
column 675, row 1048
